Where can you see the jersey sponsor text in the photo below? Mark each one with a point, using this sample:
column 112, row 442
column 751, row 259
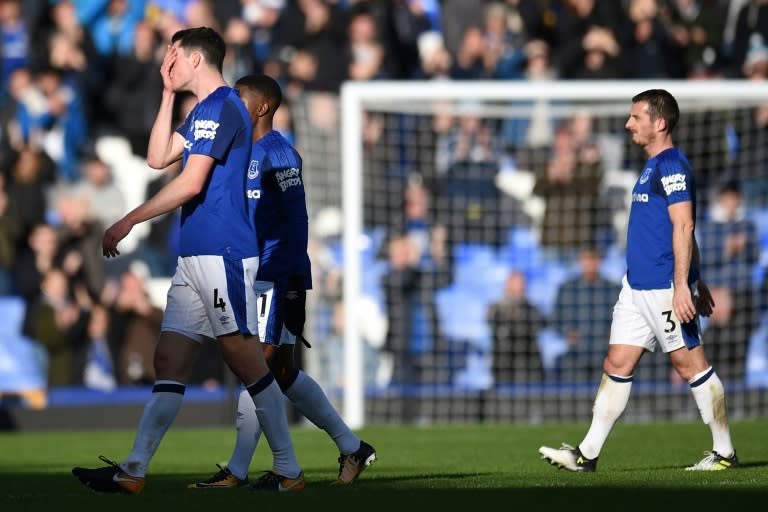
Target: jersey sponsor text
column 205, row 129
column 673, row 183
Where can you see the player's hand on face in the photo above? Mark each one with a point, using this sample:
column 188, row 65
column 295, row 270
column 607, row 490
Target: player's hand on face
column 112, row 236
column 683, row 306
column 705, row 304
column 167, row 66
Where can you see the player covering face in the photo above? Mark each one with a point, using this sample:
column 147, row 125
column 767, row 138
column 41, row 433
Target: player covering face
column 215, row 283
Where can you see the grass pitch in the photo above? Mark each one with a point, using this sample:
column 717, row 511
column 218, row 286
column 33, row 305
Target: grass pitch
column 429, row 468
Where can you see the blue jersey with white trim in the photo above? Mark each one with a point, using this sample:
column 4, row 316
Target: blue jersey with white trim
column 219, row 220
column 281, row 212
column 666, row 179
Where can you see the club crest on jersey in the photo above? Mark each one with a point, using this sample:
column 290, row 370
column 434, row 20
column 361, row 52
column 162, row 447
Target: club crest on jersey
column 253, row 170
column 646, row 175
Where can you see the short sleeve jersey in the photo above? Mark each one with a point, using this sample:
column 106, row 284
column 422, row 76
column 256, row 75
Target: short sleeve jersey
column 281, row 212
column 219, row 220
column 666, row 179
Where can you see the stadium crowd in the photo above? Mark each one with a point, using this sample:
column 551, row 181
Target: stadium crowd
column 78, row 75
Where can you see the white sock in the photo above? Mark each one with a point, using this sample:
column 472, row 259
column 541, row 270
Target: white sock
column 270, row 409
column 709, row 394
column 158, row 415
column 248, row 434
column 610, row 401
column 310, row 399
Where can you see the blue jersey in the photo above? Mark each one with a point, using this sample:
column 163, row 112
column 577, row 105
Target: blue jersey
column 219, row 221
column 666, row 179
column 281, row 212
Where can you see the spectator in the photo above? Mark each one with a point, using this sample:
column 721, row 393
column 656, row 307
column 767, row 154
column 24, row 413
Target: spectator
column 105, row 200
column 434, row 59
column 582, row 315
column 751, row 29
column 309, row 36
column 132, row 95
column 99, row 369
column 456, row 16
column 35, row 259
column 726, row 336
column 239, row 59
column 505, row 37
column 473, row 60
column 730, row 253
column 112, row 29
column 585, row 26
column 65, row 46
column 648, row 44
column 58, row 323
column 63, row 126
column 411, row 314
column 515, row 324
column 14, row 41
column 80, row 238
column 571, row 191
column 364, row 51
column 31, row 176
column 134, row 324
column 697, row 28
column 9, row 228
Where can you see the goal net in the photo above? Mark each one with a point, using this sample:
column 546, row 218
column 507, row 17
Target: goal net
column 468, row 245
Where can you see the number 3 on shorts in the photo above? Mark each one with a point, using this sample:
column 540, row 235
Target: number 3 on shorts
column 670, row 322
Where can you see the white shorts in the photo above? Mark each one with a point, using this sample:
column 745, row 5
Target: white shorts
column 645, row 318
column 211, row 296
column 272, row 316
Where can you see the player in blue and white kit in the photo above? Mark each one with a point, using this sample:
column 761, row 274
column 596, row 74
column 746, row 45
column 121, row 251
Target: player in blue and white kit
column 275, row 172
column 215, row 289
column 662, row 294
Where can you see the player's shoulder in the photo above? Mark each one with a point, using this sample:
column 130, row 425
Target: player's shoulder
column 280, row 150
column 223, row 99
column 672, row 159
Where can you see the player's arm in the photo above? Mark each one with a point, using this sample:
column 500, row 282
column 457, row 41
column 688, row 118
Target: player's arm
column 176, row 192
column 681, row 215
column 165, row 145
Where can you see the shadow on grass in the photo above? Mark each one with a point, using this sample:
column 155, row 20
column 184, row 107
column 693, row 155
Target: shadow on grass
column 432, row 491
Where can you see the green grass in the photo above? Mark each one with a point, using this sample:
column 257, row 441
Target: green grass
column 431, row 468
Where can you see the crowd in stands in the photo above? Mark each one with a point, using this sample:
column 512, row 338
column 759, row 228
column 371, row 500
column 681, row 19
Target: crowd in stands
column 76, row 72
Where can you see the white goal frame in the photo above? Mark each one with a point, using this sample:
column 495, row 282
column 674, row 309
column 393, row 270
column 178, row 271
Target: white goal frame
column 356, row 95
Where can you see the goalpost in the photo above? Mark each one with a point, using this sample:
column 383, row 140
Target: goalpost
column 409, row 131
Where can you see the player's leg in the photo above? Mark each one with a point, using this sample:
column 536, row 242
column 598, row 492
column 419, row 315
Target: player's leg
column 185, row 325
column 309, row 398
column 173, row 360
column 709, row 394
column 630, row 338
column 231, row 300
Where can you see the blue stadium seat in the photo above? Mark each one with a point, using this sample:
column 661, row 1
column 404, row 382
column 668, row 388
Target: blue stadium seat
column 22, row 361
column 522, row 249
column 11, row 314
column 462, row 316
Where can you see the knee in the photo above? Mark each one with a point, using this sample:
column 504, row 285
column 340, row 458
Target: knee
column 285, row 374
column 616, row 366
column 163, row 364
column 168, row 366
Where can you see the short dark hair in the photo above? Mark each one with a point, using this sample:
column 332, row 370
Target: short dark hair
column 204, row 39
column 264, row 85
column 661, row 104
column 730, row 186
